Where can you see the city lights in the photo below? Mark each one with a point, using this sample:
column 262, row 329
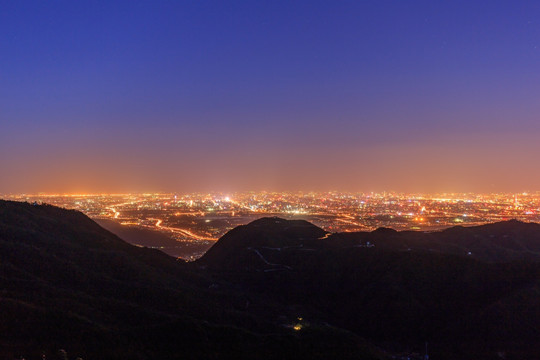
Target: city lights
column 202, row 217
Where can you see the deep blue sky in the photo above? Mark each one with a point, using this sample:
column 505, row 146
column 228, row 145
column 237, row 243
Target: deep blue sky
column 248, row 95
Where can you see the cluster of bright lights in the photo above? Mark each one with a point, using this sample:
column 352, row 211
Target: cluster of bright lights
column 207, row 216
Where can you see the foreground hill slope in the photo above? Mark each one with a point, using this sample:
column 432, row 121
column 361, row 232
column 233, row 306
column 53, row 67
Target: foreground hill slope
column 275, row 288
column 472, row 293
column 66, row 283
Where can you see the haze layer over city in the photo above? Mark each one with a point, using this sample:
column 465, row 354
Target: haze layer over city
column 213, row 96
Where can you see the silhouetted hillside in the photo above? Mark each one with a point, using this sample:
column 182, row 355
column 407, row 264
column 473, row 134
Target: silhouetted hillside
column 471, row 292
column 67, row 283
column 499, row 242
column 275, row 288
column 241, row 247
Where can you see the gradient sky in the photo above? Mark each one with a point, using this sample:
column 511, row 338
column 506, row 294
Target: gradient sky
column 117, row 96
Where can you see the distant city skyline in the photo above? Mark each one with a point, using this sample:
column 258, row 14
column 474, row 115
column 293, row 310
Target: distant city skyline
column 418, row 96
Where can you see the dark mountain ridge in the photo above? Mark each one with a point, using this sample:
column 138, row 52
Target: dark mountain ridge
column 278, row 288
column 245, row 242
column 460, row 286
column 66, row 283
column 498, row 242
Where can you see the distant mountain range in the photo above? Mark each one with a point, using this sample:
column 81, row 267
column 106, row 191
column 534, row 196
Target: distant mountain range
column 272, row 289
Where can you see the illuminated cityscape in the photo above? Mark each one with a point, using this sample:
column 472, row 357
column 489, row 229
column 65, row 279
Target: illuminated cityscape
column 289, row 180
column 197, row 220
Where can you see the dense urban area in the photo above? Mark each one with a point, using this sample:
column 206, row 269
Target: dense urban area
column 195, row 221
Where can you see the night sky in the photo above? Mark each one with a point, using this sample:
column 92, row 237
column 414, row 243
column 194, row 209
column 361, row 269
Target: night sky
column 120, row 96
